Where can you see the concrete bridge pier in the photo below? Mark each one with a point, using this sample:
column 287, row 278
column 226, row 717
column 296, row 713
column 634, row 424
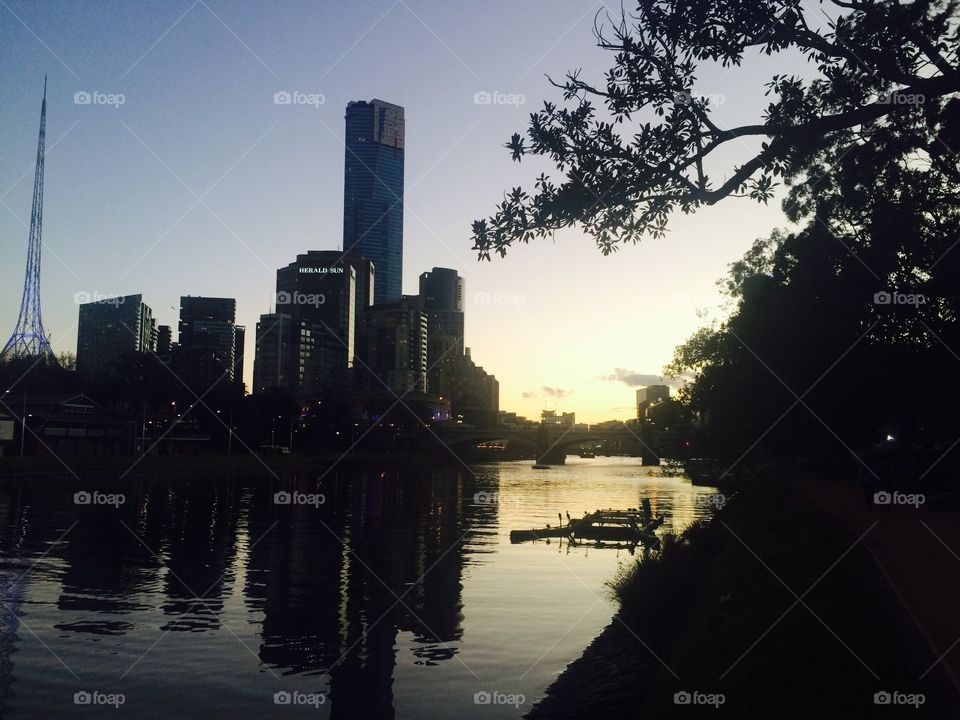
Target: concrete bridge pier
column 649, row 458
column 549, row 453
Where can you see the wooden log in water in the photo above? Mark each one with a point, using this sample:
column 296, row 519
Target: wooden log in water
column 539, row 533
column 609, row 525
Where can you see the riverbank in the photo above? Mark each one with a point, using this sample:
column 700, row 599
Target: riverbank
column 777, row 608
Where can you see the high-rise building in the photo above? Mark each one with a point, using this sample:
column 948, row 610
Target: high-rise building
column 164, row 340
column 274, row 364
column 373, row 191
column 325, row 293
column 239, row 341
column 206, row 349
column 476, row 397
column 112, row 328
column 647, row 396
column 441, row 295
column 393, row 348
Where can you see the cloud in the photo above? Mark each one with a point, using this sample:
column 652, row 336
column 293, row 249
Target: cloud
column 632, row 378
column 547, row 391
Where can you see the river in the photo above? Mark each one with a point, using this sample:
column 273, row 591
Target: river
column 373, row 593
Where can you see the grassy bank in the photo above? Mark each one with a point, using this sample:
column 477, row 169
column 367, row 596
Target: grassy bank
column 717, row 612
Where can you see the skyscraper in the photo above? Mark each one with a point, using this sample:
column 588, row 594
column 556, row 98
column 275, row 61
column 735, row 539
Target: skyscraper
column 324, row 292
column 392, row 349
column 274, row 366
column 111, row 329
column 206, row 351
column 239, row 343
column 373, row 191
column 164, row 340
column 441, row 296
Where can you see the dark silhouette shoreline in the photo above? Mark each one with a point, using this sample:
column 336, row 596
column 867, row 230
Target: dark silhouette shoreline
column 713, row 614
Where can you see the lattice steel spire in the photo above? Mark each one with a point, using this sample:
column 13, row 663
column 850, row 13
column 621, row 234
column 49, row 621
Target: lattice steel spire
column 28, row 338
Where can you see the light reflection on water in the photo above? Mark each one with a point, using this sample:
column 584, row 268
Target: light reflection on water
column 399, row 596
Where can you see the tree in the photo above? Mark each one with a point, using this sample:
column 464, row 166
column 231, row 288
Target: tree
column 67, row 360
column 838, row 329
column 653, row 148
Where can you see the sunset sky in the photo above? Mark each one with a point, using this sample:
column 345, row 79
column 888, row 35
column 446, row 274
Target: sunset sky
column 198, row 183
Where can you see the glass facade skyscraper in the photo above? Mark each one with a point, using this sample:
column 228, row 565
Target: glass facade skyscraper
column 207, row 350
column 441, row 293
column 111, row 329
column 373, row 191
column 321, row 299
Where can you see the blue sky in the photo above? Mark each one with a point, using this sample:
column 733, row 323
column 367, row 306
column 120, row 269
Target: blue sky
column 198, row 183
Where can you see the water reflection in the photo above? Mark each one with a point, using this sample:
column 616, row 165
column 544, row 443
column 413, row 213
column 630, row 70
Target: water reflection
column 360, row 597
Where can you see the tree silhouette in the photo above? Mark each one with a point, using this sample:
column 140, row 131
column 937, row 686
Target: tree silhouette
column 643, row 144
column 840, row 329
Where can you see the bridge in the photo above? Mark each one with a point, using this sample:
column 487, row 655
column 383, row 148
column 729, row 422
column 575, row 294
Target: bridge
column 551, row 443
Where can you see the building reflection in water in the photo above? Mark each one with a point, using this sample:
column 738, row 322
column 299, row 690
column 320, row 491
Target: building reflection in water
column 338, row 583
column 322, row 597
column 13, row 524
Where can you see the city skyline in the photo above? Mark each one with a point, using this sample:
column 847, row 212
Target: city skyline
column 564, row 397
column 139, row 227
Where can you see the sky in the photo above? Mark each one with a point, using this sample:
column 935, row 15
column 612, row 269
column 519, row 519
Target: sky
column 182, row 176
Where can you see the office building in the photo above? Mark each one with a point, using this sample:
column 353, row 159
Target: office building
column 373, row 191
column 164, row 340
column 441, row 296
column 393, row 348
column 551, row 419
column 476, row 397
column 274, row 363
column 325, row 293
column 207, row 341
column 650, row 395
column 111, row 329
column 239, row 343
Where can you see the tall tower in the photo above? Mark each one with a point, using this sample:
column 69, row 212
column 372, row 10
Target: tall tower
column 373, row 191
column 28, row 338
